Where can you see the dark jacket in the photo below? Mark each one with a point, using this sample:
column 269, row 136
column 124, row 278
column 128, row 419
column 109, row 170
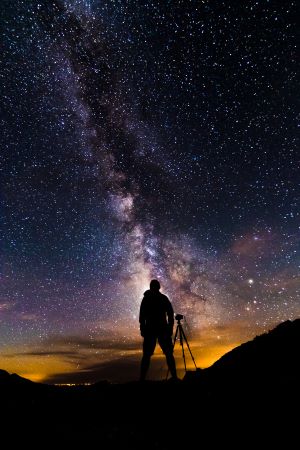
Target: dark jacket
column 156, row 314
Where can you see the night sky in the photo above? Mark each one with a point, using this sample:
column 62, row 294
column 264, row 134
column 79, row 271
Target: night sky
column 140, row 140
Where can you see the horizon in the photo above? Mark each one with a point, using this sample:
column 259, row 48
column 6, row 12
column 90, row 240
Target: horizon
column 157, row 372
column 124, row 380
column 143, row 141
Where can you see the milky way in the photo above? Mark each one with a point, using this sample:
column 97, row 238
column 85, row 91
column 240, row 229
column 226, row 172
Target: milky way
column 145, row 140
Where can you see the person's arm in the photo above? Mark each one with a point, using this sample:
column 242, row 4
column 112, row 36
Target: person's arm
column 170, row 316
column 142, row 318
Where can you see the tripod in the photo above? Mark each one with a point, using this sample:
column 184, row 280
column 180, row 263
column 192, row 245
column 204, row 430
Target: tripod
column 182, row 337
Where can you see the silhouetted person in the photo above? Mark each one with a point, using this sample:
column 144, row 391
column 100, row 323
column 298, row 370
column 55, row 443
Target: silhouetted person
column 156, row 324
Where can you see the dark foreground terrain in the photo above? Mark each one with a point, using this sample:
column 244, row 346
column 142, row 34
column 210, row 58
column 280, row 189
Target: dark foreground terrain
column 248, row 399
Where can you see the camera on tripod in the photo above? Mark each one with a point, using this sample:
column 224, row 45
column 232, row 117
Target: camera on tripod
column 179, row 317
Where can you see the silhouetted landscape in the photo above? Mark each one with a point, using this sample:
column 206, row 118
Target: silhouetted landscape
column 249, row 395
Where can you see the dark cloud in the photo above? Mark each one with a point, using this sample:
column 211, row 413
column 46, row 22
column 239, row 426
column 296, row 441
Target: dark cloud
column 44, row 353
column 119, row 370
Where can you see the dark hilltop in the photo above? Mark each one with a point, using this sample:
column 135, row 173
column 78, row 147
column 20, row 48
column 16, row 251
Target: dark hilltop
column 249, row 395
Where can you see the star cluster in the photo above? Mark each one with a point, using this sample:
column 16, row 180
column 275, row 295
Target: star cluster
column 145, row 139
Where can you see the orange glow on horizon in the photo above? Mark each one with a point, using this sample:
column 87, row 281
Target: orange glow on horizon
column 40, row 369
column 65, row 357
column 33, row 368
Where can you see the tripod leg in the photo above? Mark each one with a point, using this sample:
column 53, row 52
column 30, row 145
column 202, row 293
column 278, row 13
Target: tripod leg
column 188, row 347
column 181, row 343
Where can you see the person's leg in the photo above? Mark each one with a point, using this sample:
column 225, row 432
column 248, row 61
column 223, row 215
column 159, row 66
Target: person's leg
column 171, row 364
column 148, row 350
column 166, row 344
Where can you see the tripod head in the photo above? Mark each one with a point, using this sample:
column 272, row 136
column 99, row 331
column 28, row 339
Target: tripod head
column 179, row 317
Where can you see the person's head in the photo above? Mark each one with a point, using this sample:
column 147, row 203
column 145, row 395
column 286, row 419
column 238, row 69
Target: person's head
column 154, row 285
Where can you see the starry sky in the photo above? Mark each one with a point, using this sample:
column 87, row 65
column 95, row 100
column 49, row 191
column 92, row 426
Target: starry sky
column 140, row 140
